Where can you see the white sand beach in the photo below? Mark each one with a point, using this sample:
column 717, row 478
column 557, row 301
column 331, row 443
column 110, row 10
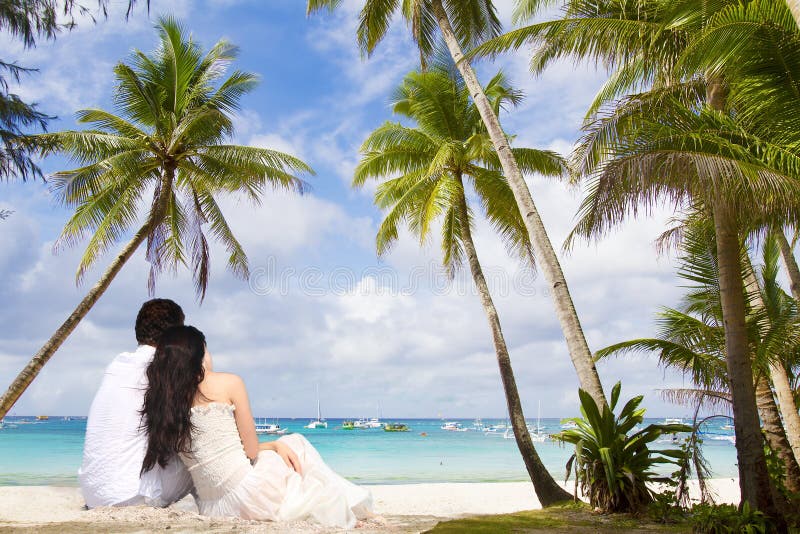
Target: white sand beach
column 405, row 508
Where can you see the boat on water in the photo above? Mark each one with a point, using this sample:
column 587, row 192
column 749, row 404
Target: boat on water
column 42, row 417
column 319, row 422
column 537, row 434
column 263, row 427
column 453, row 426
column 348, row 425
column 495, row 430
column 569, row 425
column 396, row 427
column 478, row 425
column 673, row 421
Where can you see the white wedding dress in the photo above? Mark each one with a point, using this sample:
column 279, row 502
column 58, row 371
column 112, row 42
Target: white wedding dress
column 228, row 485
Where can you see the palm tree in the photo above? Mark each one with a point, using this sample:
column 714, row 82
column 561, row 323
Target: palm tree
column 169, row 141
column 691, row 338
column 664, row 46
column 28, row 21
column 422, row 169
column 465, row 23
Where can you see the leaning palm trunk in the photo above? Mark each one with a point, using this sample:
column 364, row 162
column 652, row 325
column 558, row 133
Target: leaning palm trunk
column 778, row 375
column 790, row 262
column 543, row 248
column 547, row 490
column 26, row 376
column 775, row 435
column 753, row 477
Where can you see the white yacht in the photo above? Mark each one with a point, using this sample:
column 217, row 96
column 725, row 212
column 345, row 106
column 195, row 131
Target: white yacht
column 319, row 422
column 263, row 427
column 375, row 423
column 673, row 421
column 453, row 426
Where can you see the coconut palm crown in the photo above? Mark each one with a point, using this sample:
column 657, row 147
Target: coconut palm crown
column 428, row 162
column 169, row 142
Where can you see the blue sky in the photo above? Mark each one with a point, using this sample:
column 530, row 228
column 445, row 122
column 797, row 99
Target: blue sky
column 369, row 331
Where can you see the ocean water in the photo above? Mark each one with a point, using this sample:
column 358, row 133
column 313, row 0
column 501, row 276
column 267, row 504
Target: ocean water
column 49, row 452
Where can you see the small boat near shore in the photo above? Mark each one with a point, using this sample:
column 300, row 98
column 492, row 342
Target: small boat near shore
column 319, row 422
column 263, row 427
column 42, row 417
column 453, row 426
column 396, row 427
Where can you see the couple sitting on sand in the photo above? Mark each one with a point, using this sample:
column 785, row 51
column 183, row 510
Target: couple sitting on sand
column 164, row 424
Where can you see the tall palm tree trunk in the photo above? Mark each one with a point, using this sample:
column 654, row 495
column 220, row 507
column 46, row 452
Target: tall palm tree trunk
column 791, row 263
column 547, row 490
column 753, row 477
column 26, row 376
column 778, row 375
column 546, row 257
column 754, row 480
column 775, row 434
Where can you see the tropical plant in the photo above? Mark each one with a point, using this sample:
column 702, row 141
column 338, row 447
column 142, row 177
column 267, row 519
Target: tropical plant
column 613, row 462
column 170, row 142
column 684, row 141
column 423, row 169
column 463, row 24
column 28, row 21
column 728, row 519
column 691, row 338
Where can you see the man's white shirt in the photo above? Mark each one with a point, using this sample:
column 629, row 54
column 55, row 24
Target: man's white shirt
column 116, row 442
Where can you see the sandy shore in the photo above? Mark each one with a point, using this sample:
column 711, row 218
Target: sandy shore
column 405, row 508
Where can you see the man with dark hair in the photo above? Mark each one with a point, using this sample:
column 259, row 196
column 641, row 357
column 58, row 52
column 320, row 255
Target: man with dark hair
column 115, row 440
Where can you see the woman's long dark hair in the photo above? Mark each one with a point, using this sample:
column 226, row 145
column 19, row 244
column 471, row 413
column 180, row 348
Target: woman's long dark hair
column 173, row 377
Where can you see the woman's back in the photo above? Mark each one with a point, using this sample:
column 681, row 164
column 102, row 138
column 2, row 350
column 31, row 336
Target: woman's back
column 217, row 461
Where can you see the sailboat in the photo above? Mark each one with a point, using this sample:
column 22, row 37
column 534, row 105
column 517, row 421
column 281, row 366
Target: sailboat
column 538, row 436
column 319, row 422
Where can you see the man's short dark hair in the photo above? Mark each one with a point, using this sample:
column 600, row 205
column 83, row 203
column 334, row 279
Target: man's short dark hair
column 154, row 317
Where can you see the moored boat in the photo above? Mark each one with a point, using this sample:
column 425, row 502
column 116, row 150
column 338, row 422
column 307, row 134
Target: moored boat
column 396, row 427
column 263, row 427
column 319, row 422
column 453, row 426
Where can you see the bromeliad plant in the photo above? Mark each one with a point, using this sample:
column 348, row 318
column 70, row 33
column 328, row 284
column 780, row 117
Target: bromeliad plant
column 613, row 466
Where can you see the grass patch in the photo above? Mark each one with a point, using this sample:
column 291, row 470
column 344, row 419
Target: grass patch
column 572, row 517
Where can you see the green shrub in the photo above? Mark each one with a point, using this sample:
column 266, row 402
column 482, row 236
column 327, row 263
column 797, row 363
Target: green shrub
column 727, row 519
column 612, row 467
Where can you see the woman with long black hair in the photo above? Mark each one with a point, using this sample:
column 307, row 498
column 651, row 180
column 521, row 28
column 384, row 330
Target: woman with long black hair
column 204, row 417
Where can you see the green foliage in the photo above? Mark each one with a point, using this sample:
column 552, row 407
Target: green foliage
column 422, row 167
column 473, row 21
column 169, row 142
column 28, row 21
column 613, row 463
column 727, row 519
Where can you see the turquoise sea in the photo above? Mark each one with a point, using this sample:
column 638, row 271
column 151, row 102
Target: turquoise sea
column 49, row 452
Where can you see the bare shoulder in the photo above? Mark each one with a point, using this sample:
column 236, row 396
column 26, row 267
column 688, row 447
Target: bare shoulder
column 228, row 382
